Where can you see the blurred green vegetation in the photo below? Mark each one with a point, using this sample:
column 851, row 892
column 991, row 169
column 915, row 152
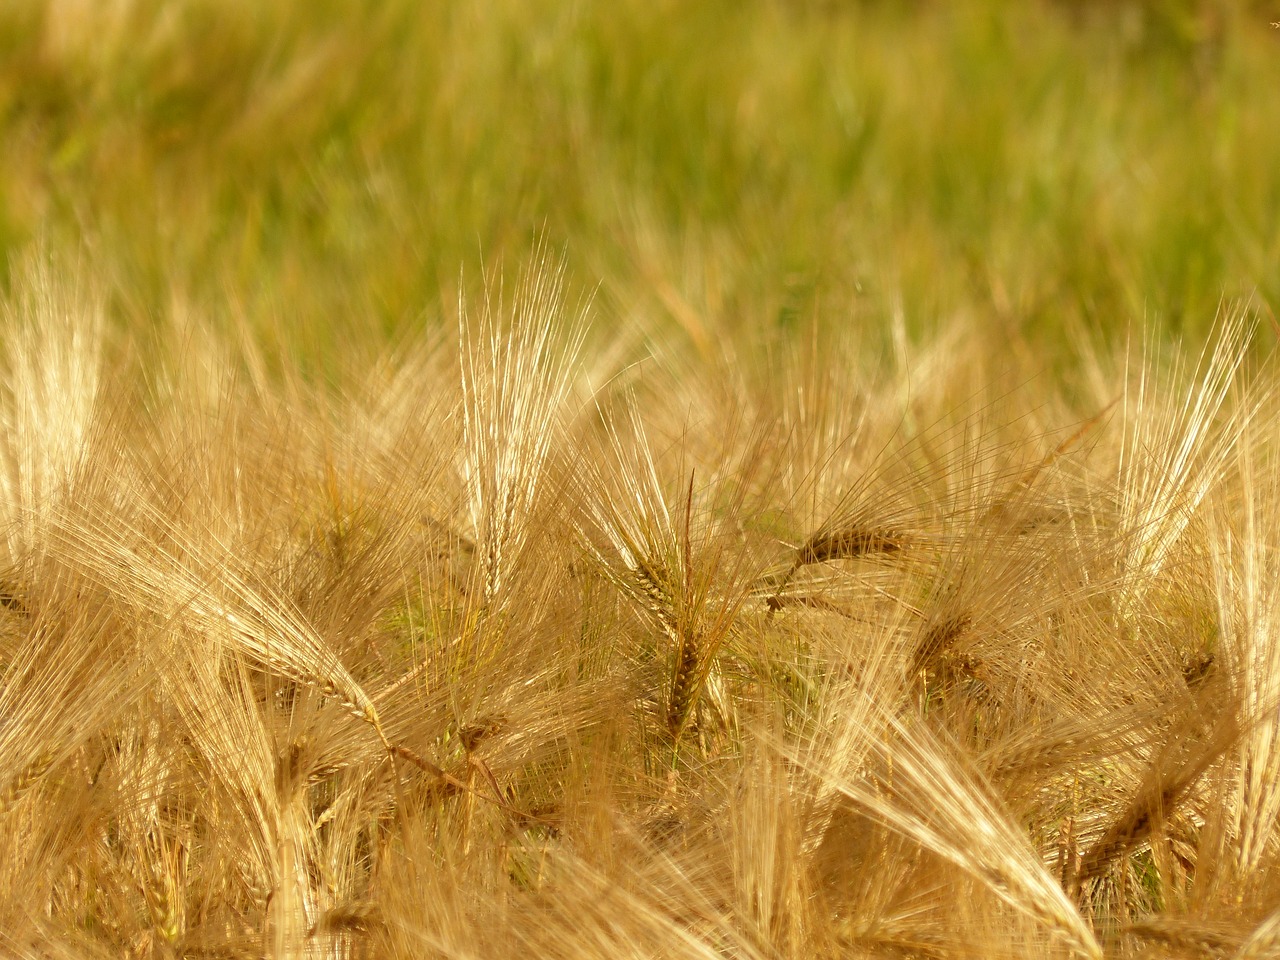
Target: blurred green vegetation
column 328, row 173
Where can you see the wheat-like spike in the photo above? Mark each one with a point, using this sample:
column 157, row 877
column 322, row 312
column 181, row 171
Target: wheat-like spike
column 1246, row 568
column 848, row 543
column 1028, row 479
column 652, row 588
column 28, row 775
column 652, row 562
column 164, row 875
column 839, row 543
column 1169, row 462
column 1264, row 942
column 61, row 684
column 515, row 378
column 946, row 808
column 1188, row 933
column 50, row 383
column 357, row 917
column 937, row 639
column 1195, row 743
column 685, row 683
column 265, row 627
column 648, row 583
column 896, row 940
column 1037, row 759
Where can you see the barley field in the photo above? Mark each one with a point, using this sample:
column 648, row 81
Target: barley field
column 768, row 479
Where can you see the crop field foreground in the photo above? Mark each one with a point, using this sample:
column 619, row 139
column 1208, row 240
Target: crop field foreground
column 760, row 480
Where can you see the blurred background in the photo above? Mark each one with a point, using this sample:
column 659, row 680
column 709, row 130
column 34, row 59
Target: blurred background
column 326, row 174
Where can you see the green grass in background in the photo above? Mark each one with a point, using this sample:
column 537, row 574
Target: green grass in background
column 328, row 172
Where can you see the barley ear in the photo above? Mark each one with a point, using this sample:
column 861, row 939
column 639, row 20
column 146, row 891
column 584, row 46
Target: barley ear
column 1264, row 942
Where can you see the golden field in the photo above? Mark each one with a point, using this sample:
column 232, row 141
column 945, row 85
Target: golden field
column 754, row 480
